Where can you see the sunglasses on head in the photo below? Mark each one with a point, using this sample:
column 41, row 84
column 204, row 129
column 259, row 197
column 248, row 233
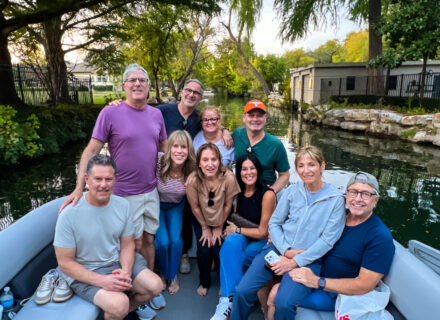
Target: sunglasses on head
column 211, row 196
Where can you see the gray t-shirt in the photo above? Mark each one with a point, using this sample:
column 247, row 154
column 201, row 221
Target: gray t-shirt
column 95, row 232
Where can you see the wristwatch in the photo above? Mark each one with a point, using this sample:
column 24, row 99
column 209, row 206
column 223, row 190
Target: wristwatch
column 238, row 230
column 321, row 283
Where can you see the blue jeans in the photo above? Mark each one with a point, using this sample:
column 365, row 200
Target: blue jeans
column 168, row 238
column 237, row 253
column 320, row 300
column 290, row 293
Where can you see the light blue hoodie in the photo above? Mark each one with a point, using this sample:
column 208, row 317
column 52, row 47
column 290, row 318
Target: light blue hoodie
column 314, row 228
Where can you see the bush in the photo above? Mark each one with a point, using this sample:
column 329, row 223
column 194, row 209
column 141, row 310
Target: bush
column 103, row 88
column 42, row 130
column 17, row 138
column 404, row 104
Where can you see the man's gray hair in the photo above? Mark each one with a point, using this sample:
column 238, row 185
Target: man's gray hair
column 134, row 67
column 100, row 160
column 187, row 82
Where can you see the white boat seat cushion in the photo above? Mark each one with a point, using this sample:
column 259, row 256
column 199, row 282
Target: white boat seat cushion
column 73, row 309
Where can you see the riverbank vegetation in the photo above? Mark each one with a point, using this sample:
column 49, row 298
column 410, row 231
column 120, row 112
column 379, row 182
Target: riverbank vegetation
column 29, row 132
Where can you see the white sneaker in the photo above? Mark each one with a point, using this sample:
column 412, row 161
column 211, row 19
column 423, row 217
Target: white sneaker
column 144, row 312
column 158, row 302
column 223, row 310
column 62, row 291
column 44, row 291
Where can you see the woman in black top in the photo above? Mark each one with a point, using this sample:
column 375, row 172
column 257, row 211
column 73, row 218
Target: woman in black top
column 256, row 203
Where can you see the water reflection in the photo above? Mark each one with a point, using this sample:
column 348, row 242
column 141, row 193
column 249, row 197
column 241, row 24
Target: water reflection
column 408, row 174
column 33, row 183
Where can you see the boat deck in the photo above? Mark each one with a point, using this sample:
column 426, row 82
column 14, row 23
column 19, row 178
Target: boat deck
column 187, row 304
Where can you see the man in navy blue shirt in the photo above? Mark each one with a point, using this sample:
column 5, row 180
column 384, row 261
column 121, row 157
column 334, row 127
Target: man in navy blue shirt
column 358, row 260
column 184, row 115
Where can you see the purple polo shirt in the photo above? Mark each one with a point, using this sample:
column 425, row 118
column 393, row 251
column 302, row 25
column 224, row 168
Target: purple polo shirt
column 133, row 139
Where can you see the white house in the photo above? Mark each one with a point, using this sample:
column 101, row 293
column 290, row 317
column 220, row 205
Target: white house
column 83, row 71
column 316, row 82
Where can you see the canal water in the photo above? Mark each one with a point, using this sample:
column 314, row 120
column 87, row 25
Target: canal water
column 408, row 174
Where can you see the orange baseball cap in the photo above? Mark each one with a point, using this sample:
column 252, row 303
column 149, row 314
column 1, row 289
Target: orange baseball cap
column 254, row 104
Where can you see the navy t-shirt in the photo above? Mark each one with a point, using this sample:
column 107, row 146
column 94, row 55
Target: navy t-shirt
column 368, row 245
column 175, row 121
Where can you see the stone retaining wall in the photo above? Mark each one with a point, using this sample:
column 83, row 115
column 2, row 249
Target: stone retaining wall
column 417, row 128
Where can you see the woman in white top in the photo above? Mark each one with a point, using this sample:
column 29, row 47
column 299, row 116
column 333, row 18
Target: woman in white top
column 211, row 119
column 173, row 168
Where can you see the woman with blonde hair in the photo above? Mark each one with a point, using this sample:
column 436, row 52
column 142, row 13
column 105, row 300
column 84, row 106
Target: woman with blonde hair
column 210, row 191
column 173, row 168
column 211, row 120
column 305, row 225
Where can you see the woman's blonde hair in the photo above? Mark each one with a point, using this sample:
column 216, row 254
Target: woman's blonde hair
column 211, row 108
column 209, row 146
column 313, row 152
column 182, row 138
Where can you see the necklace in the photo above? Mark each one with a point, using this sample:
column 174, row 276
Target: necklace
column 175, row 175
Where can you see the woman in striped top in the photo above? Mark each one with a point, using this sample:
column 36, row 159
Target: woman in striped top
column 173, row 167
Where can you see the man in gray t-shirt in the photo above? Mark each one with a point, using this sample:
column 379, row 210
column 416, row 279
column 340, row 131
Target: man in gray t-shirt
column 94, row 246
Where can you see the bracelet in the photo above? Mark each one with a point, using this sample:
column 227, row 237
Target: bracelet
column 204, row 227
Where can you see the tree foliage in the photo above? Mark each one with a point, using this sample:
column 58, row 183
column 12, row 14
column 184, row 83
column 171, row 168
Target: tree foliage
column 354, row 49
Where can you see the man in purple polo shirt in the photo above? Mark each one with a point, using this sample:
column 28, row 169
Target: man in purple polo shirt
column 135, row 132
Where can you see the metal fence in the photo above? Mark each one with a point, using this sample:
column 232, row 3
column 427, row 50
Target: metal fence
column 33, row 86
column 400, row 86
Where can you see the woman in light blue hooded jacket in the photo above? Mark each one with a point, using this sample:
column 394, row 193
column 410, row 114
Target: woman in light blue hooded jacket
column 307, row 221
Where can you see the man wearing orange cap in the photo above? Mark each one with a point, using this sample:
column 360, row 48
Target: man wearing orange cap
column 269, row 149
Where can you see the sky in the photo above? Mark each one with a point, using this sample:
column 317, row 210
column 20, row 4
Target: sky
column 266, row 41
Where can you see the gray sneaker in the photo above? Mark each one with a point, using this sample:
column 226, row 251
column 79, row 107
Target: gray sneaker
column 62, row 291
column 44, row 291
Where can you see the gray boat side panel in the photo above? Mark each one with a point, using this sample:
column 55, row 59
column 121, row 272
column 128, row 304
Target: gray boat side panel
column 415, row 288
column 25, row 238
column 425, row 253
column 73, row 309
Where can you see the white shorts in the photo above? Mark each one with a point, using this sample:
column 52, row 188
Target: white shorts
column 146, row 212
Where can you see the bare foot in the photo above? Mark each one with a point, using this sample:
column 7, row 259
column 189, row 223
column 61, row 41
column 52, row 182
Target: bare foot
column 174, row 286
column 202, row 291
column 164, row 282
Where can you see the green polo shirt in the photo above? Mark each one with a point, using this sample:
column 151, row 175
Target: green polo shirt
column 270, row 151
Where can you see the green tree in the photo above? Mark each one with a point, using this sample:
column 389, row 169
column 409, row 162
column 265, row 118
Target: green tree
column 192, row 51
column 298, row 15
column 229, row 72
column 248, row 13
column 354, row 49
column 326, row 52
column 272, row 68
column 154, row 38
column 297, row 58
column 413, row 31
column 16, row 14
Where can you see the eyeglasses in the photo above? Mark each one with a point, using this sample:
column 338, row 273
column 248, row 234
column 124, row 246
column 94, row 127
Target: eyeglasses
column 212, row 120
column 211, row 196
column 365, row 195
column 142, row 81
column 196, row 93
column 184, row 124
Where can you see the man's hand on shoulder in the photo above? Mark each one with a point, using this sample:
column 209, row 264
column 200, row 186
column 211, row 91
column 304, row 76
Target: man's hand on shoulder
column 115, row 103
column 227, row 140
column 72, row 198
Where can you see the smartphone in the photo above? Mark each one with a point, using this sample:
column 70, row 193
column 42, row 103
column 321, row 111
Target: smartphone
column 271, row 257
